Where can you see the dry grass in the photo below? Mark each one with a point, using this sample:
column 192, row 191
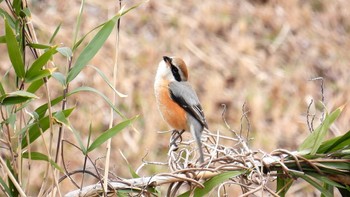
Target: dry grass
column 258, row 52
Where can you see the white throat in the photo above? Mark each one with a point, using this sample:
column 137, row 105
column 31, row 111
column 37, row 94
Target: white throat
column 163, row 73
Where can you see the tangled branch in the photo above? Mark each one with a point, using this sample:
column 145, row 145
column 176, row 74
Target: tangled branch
column 253, row 170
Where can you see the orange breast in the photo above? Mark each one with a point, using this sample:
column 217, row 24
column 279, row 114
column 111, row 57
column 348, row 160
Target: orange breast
column 172, row 113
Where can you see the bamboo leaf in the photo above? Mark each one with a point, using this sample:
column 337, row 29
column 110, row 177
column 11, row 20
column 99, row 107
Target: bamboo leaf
column 5, row 187
column 14, row 51
column 212, row 183
column 110, row 133
column 337, row 165
column 315, row 184
column 2, row 39
column 65, row 51
column 41, row 111
column 17, row 6
column 315, row 139
column 61, row 118
column 16, row 97
column 2, row 90
column 95, row 44
column 89, row 89
column 26, row 12
column 39, row 46
column 43, row 108
column 77, row 44
column 41, row 157
column 55, row 33
column 91, row 49
column 40, row 62
column 40, row 74
column 42, row 124
column 77, row 27
column 283, row 184
column 131, row 170
column 13, row 189
column 104, row 77
column 79, row 139
column 35, row 85
column 60, row 78
column 335, row 144
column 6, row 15
column 326, row 180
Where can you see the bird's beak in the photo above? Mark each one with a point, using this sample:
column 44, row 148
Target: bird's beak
column 167, row 59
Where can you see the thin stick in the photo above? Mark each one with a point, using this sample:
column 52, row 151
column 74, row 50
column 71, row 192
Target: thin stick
column 309, row 123
column 115, row 69
column 13, row 179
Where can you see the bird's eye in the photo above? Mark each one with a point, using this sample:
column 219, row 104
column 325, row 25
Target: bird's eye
column 174, row 69
column 176, row 73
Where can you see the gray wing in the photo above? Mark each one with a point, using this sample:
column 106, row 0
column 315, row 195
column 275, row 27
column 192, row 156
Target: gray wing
column 183, row 94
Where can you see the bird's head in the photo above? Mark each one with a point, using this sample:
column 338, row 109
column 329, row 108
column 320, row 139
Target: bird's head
column 172, row 69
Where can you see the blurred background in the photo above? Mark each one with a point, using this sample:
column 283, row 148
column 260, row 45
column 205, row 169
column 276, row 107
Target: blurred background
column 259, row 52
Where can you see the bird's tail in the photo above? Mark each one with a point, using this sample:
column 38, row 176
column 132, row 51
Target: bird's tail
column 196, row 131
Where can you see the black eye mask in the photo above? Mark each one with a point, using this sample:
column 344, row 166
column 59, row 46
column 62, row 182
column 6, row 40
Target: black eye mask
column 175, row 72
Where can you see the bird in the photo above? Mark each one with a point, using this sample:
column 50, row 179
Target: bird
column 177, row 101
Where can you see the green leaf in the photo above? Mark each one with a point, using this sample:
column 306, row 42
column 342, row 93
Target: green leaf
column 13, row 189
column 39, row 46
column 42, row 124
column 315, row 184
column 61, row 118
column 40, row 62
column 89, row 89
column 283, row 184
column 124, row 192
column 77, row 44
column 40, row 74
column 92, row 48
column 110, row 133
column 16, row 97
column 96, row 43
column 12, row 119
column 7, row 16
column 107, row 81
column 14, row 51
column 77, row 26
column 2, row 90
column 326, row 180
column 5, row 187
column 335, row 144
column 329, row 188
column 337, row 165
column 17, row 6
column 26, row 12
column 213, row 182
column 2, row 39
column 60, row 78
column 41, row 157
column 55, row 33
column 42, row 109
column 35, row 85
column 79, row 139
column 65, row 51
column 315, row 139
column 13, row 100
column 131, row 170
